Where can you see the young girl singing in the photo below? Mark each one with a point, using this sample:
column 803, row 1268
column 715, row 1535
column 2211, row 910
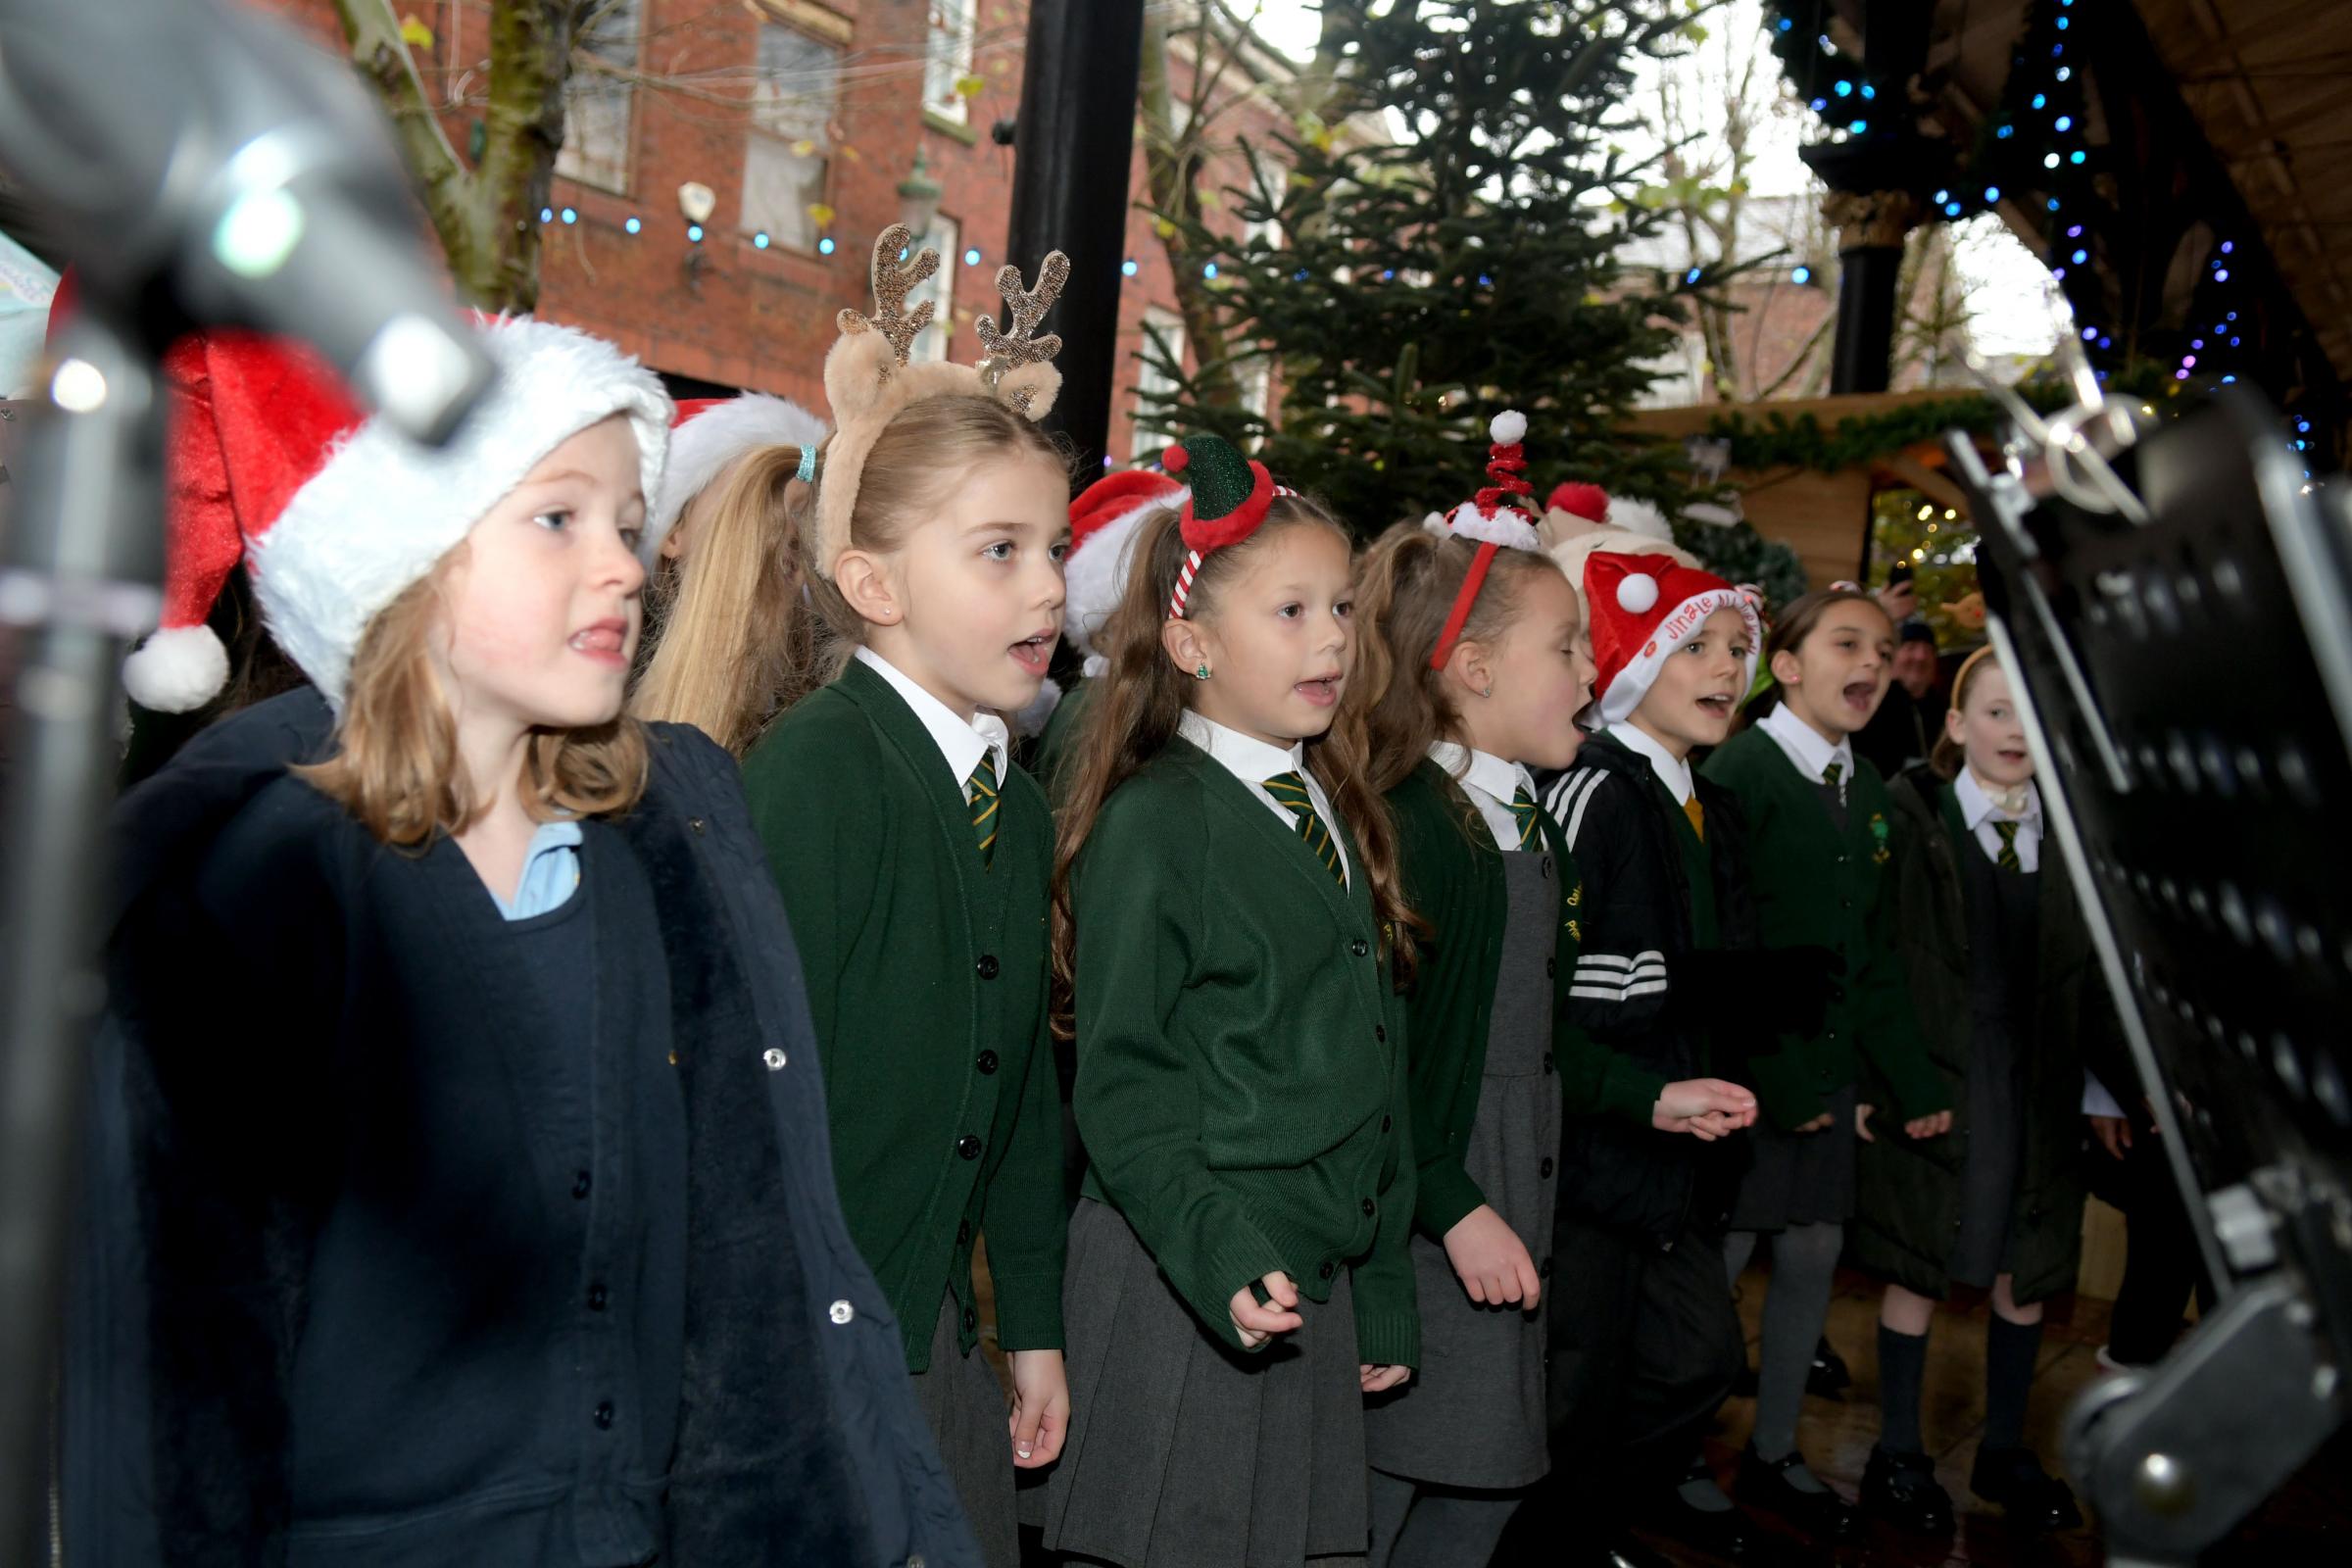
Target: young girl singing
column 474, row 1202
column 2007, row 990
column 1819, row 830
column 915, row 858
column 1470, row 669
column 1227, row 910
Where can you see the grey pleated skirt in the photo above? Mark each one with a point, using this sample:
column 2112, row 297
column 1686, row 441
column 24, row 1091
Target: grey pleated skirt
column 965, row 1408
column 1185, row 1452
column 1807, row 1178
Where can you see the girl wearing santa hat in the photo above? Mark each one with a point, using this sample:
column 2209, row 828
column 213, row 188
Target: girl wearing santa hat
column 1470, row 670
column 1819, row 827
column 489, row 1216
column 1645, row 1344
column 914, row 857
column 1227, row 915
column 1105, row 521
column 718, row 546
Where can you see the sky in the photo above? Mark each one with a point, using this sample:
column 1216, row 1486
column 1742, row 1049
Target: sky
column 2009, row 286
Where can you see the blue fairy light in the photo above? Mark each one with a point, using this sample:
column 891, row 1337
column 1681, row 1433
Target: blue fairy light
column 1993, row 193
column 1942, row 196
column 1868, row 91
column 1693, row 275
column 1859, row 126
column 572, row 214
column 824, row 247
column 2074, row 232
column 2227, row 246
column 2066, row 72
column 1128, row 267
column 2063, row 123
column 2004, row 132
column 632, row 225
column 2079, row 256
column 2221, row 274
column 1820, row 104
column 2090, row 335
column 2105, row 341
column 1209, row 270
column 2076, row 156
column 2052, row 204
column 971, row 256
column 2197, row 342
column 2060, row 24
column 2233, row 342
column 760, row 241
column 2039, row 99
column 1803, row 274
column 1952, row 209
column 1788, row 26
column 547, row 214
column 694, row 233
column 1843, row 89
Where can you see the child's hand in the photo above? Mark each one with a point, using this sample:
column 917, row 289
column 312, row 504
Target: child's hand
column 1380, row 1378
column 1257, row 1324
column 2114, row 1132
column 1822, row 1122
column 1706, row 1107
column 1492, row 1261
column 1041, row 1407
column 1934, row 1126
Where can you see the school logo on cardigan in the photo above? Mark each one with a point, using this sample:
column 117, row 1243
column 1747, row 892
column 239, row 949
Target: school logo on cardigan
column 1880, row 854
column 1576, row 897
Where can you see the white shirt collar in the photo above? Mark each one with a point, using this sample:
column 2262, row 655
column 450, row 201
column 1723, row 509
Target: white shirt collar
column 1976, row 805
column 1483, row 771
column 1248, row 759
column 1803, row 743
column 1673, row 772
column 961, row 744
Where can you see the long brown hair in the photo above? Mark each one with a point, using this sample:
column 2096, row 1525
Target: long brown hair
column 1405, row 588
column 1947, row 755
column 1139, row 699
column 396, row 766
column 771, row 627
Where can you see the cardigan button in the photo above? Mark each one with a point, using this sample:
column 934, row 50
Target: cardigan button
column 987, row 1062
column 1369, row 1207
column 964, row 1232
column 1379, row 1032
column 841, row 1312
column 695, row 822
column 580, row 1185
column 1548, row 1061
column 1325, row 1271
column 1359, row 947
column 971, row 1317
column 1551, row 968
column 604, row 1416
column 1545, row 871
column 1545, row 1169
column 968, row 1147
column 1386, row 1122
column 987, row 967
column 774, row 1059
column 596, row 1298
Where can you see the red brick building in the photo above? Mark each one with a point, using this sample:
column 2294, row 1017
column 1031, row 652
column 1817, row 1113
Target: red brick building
column 801, row 119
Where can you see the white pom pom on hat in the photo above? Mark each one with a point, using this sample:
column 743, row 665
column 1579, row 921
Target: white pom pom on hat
column 1637, row 594
column 178, row 671
column 1508, row 428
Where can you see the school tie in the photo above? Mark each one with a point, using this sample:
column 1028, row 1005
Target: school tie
column 1697, row 815
column 984, row 806
column 1833, row 776
column 2007, row 858
column 1290, row 792
column 1523, row 812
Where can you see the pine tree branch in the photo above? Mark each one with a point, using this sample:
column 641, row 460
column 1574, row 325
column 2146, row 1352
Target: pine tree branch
column 382, row 59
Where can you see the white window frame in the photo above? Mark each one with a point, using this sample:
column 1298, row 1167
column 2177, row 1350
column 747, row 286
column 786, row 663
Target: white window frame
column 946, row 237
column 600, row 107
column 948, row 56
column 780, row 121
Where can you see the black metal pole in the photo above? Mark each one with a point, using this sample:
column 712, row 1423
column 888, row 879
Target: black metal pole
column 1071, row 158
column 1863, row 358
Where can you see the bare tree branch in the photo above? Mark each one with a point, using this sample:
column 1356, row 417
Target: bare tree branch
column 381, row 57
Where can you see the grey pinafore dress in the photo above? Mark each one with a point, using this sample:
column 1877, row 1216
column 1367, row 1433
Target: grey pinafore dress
column 2004, row 931
column 1473, row 1414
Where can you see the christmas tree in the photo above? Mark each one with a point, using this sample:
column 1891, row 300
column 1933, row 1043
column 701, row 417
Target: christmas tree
column 1410, row 285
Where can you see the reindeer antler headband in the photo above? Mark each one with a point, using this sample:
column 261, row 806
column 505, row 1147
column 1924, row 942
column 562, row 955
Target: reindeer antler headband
column 869, row 378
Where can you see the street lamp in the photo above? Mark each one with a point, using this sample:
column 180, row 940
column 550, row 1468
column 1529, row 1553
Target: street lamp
column 918, row 198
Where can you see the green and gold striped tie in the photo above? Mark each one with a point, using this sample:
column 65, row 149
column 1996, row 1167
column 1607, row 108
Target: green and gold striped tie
column 2007, row 860
column 984, row 806
column 1523, row 812
column 1290, row 792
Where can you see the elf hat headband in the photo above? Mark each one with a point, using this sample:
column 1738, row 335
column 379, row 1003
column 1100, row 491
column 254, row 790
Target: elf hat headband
column 869, row 378
column 1229, row 497
column 1494, row 521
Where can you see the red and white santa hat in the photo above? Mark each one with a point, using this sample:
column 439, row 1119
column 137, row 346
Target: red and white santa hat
column 335, row 513
column 1644, row 608
column 1103, row 523
column 706, row 437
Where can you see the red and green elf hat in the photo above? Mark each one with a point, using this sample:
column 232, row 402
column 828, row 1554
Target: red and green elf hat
column 1230, row 495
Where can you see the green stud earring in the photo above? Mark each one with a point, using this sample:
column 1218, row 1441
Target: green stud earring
column 1201, row 673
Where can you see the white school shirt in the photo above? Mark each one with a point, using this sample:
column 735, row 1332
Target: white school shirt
column 1807, row 749
column 961, row 744
column 1979, row 812
column 1253, row 761
column 1673, row 772
column 1490, row 782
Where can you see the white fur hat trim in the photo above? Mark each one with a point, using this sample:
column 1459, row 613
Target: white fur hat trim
column 707, row 445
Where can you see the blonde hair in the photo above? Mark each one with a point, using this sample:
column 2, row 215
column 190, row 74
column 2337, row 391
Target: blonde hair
column 1140, row 700
column 755, row 625
column 1947, row 755
column 1405, row 588
column 396, row 765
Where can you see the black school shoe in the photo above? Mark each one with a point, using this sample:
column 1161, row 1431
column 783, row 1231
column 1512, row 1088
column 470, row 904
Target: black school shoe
column 1829, row 1375
column 1764, row 1484
column 1727, row 1534
column 1901, row 1489
column 2027, row 1493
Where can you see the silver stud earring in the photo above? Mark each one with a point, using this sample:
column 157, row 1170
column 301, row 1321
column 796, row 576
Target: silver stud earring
column 1486, row 691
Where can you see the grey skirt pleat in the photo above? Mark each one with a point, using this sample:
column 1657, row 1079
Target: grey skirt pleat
column 967, row 1412
column 1185, row 1452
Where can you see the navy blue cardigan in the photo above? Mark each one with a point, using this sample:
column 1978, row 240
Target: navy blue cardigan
column 796, row 1436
